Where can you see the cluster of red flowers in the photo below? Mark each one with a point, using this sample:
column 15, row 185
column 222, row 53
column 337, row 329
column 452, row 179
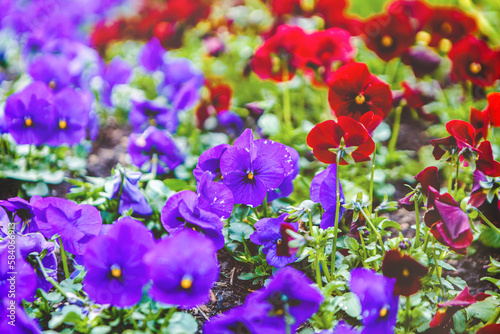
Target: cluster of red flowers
column 166, row 20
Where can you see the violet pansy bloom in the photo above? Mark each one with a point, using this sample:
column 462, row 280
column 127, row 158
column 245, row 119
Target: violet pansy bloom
column 29, row 114
column 210, row 161
column 142, row 148
column 116, row 272
column 25, row 277
column 20, row 211
column 131, row 197
column 289, row 293
column 116, row 72
column 183, row 212
column 324, row 190
column 151, row 55
column 214, row 197
column 52, row 69
column 272, row 233
column 71, row 118
column 230, row 123
column 253, row 167
column 183, row 268
column 379, row 305
column 23, row 323
column 75, row 223
column 285, row 189
column 146, row 113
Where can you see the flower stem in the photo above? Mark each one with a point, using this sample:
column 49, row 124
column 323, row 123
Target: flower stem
column 337, row 209
column 48, row 278
column 364, row 248
column 369, row 222
column 408, row 316
column 316, row 268
column 456, row 179
column 395, row 130
column 287, row 117
column 371, row 179
column 450, row 178
column 64, row 261
column 487, row 221
column 311, row 224
column 438, row 274
column 264, row 206
column 325, row 265
column 417, row 223
column 426, row 241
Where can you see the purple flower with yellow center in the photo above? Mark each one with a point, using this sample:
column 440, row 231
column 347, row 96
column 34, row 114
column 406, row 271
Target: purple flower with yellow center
column 24, row 280
column 116, row 272
column 289, row 294
column 285, row 189
column 183, row 267
column 75, row 223
column 20, row 211
column 71, row 118
column 210, row 161
column 125, row 188
column 153, row 141
column 324, row 190
column 214, row 197
column 379, row 305
column 52, row 69
column 182, row 211
column 115, row 73
column 251, row 168
column 29, row 114
column 272, row 233
column 146, row 113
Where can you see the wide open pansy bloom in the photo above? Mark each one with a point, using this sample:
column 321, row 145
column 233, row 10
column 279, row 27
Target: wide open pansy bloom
column 25, row 279
column 289, row 293
column 21, row 213
column 272, row 233
column 146, row 113
column 253, row 167
column 406, row 270
column 481, row 198
column 182, row 211
column 449, row 23
column 75, row 223
column 142, row 148
column 324, row 191
column 183, row 268
column 379, row 304
column 354, row 91
column 71, row 118
column 389, row 36
column 130, row 197
column 116, row 272
column 29, row 114
column 210, row 161
column 278, row 58
column 473, row 60
column 346, row 137
column 285, row 189
column 448, row 223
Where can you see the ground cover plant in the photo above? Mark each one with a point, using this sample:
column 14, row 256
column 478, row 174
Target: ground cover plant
column 249, row 166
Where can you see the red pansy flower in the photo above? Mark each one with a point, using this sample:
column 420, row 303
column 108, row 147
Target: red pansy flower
column 105, row 33
column 406, row 270
column 354, row 91
column 417, row 11
column 485, row 161
column 347, row 137
column 462, row 136
column 448, row 223
column 480, row 120
column 416, row 99
column 490, row 329
column 473, row 60
column 427, row 178
column 494, row 108
column 278, row 51
column 333, row 12
column 449, row 23
column 284, row 7
column 389, row 36
column 218, row 101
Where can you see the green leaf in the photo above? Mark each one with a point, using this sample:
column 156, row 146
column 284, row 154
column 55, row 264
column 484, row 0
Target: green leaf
column 373, row 258
column 350, row 304
column 34, row 189
column 483, row 310
column 181, row 323
column 459, row 322
column 391, row 223
column 489, row 238
column 70, row 314
column 351, row 243
column 446, row 265
column 176, row 184
column 240, row 231
column 100, row 330
column 246, row 276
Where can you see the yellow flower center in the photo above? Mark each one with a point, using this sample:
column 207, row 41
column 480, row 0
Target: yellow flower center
column 360, row 99
column 63, row 124
column 406, row 272
column 52, row 84
column 187, row 282
column 383, row 312
column 250, row 176
column 279, row 312
column 446, row 28
column 116, row 272
column 279, row 242
column 152, row 122
column 387, row 41
column 475, row 67
column 28, row 122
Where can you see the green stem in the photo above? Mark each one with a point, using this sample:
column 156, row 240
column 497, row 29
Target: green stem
column 48, row 278
column 396, row 72
column 364, row 248
column 264, row 204
column 438, row 273
column 417, row 223
column 487, row 221
column 371, row 179
column 456, row 180
column 395, row 131
column 450, row 177
column 408, row 316
column 154, row 165
column 64, row 261
column 316, row 268
column 287, row 117
column 311, row 224
column 325, row 265
column 337, row 209
column 369, row 222
column 426, row 241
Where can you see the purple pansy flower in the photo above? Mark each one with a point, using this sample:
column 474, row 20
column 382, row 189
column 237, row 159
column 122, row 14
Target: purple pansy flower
column 25, row 278
column 71, row 118
column 146, row 113
column 183, row 212
column 14, row 320
column 35, row 242
column 230, row 123
column 52, row 69
column 285, row 189
column 183, row 268
column 93, row 126
column 75, row 223
column 116, row 72
column 151, row 55
column 272, row 234
column 214, row 197
column 21, row 213
column 142, row 148
column 116, row 272
column 379, row 305
column 131, row 197
column 29, row 114
column 324, row 190
column 210, row 161
column 253, row 167
column 289, row 293
column 342, row 328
